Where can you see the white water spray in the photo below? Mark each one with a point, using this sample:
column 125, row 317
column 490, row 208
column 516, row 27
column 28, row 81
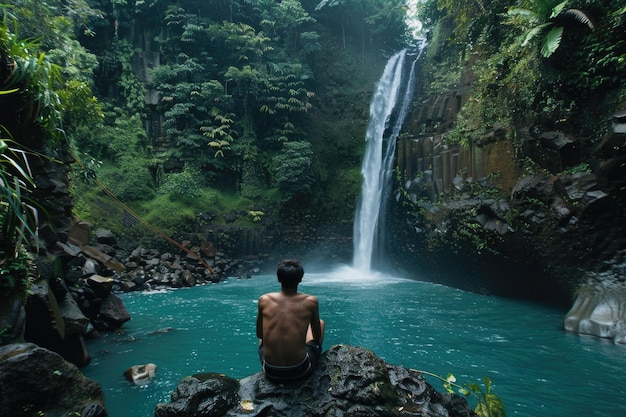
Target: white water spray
column 379, row 156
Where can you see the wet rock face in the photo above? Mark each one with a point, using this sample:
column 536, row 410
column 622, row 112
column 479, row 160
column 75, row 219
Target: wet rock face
column 36, row 381
column 599, row 309
column 558, row 233
column 348, row 381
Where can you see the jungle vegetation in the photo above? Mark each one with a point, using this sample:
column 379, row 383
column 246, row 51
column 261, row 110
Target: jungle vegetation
column 190, row 107
column 529, row 67
column 187, row 107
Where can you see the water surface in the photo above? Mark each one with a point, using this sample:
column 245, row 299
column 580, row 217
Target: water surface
column 536, row 368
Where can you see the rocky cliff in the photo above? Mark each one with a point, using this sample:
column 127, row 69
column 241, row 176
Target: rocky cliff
column 348, row 381
column 468, row 215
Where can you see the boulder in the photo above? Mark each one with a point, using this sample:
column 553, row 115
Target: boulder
column 141, row 374
column 43, row 313
column 112, row 314
column 73, row 318
column 80, row 233
column 101, row 286
column 36, row 381
column 12, row 320
column 56, row 323
column 599, row 311
column 348, row 381
column 106, row 237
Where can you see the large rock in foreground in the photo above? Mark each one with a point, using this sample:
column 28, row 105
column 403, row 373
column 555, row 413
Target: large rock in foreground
column 348, row 381
column 35, row 381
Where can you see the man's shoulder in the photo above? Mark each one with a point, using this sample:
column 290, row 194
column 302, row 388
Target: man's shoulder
column 269, row 296
column 309, row 297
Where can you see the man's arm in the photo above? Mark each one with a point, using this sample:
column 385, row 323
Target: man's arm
column 316, row 327
column 259, row 319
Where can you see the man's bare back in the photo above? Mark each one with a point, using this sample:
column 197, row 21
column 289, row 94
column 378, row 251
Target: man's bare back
column 288, row 326
column 284, row 321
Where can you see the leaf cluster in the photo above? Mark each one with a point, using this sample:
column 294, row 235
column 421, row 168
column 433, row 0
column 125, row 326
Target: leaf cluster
column 489, row 404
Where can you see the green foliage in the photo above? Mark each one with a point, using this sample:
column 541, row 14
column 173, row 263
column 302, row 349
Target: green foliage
column 507, row 92
column 443, row 63
column 473, row 18
column 131, row 87
column 285, row 18
column 428, row 14
column 540, row 18
column 256, row 215
column 283, row 91
column 30, row 84
column 52, row 22
column 172, row 214
column 221, row 132
column 14, row 274
column 310, row 42
column 130, row 179
column 582, row 167
column 16, row 216
column 293, row 172
column 75, row 62
column 119, row 137
column 187, row 183
column 28, row 79
column 600, row 61
column 233, row 82
column 489, row 404
column 126, row 167
column 80, row 107
column 242, row 43
column 33, row 78
column 382, row 19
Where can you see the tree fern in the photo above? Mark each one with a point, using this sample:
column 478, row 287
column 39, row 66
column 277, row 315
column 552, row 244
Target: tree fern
column 542, row 16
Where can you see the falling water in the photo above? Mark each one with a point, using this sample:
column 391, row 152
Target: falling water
column 379, row 155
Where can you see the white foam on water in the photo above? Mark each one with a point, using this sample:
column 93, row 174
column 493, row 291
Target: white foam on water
column 345, row 274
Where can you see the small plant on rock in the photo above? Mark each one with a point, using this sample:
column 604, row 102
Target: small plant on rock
column 489, row 404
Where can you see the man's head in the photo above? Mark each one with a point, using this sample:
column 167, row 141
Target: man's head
column 290, row 273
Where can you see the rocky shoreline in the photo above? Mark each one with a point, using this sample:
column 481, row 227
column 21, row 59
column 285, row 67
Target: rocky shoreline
column 348, row 381
column 75, row 292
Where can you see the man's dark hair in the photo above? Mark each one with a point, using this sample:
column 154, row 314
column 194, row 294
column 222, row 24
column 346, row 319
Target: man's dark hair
column 290, row 273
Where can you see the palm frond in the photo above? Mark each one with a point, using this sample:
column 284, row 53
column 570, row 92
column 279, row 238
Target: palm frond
column 580, row 16
column 556, row 10
column 534, row 32
column 551, row 41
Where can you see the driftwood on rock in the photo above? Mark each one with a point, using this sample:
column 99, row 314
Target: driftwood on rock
column 348, row 381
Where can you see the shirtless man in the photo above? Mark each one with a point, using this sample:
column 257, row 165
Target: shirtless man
column 289, row 327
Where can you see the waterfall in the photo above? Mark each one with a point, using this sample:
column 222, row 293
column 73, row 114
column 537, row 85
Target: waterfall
column 379, row 156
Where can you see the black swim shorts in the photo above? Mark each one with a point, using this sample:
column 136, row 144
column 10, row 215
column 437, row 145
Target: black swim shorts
column 292, row 372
